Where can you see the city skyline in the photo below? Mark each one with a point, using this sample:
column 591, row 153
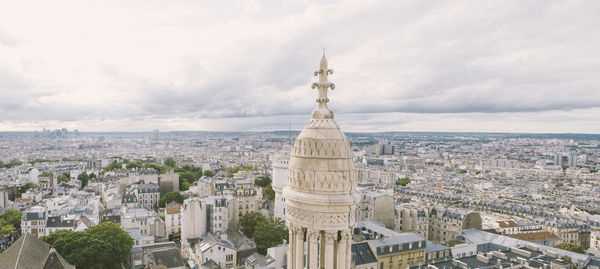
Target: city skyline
column 400, row 66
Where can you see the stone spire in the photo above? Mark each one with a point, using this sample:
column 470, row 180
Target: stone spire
column 320, row 192
column 322, row 111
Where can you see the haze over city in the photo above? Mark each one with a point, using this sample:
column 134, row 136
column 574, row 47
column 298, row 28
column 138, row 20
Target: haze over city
column 503, row 66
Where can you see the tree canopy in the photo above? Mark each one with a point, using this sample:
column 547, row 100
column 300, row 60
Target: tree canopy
column 10, row 164
column 84, row 178
column 10, row 220
column 570, row 247
column 403, row 181
column 170, row 162
column 119, row 239
column 111, row 166
column 85, row 250
column 269, row 193
column 188, row 175
column 7, row 229
column 25, row 187
column 208, row 173
column 262, row 181
column 268, row 233
column 131, row 165
column 249, row 222
column 64, row 177
column 105, row 245
column 169, row 197
column 265, row 183
column 11, row 216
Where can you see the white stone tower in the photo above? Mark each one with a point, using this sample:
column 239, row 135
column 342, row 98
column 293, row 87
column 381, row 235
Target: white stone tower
column 321, row 192
column 280, row 171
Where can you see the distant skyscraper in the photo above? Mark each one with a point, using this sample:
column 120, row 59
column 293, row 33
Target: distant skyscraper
column 572, row 159
column 155, row 138
column 321, row 188
column 558, row 159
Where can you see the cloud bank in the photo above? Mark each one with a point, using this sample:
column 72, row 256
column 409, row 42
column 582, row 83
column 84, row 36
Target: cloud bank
column 112, row 65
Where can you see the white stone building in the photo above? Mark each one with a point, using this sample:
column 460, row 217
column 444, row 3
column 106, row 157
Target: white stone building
column 280, row 171
column 201, row 216
column 34, row 221
column 411, row 218
column 173, row 219
column 222, row 252
column 147, row 194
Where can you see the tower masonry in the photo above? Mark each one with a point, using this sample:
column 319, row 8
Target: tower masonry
column 320, row 194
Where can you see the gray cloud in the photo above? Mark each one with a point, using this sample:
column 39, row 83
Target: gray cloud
column 421, row 57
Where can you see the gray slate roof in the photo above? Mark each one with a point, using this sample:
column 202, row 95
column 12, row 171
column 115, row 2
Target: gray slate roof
column 29, row 252
column 362, row 254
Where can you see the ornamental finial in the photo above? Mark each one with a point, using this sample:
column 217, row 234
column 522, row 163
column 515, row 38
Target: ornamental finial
column 322, row 111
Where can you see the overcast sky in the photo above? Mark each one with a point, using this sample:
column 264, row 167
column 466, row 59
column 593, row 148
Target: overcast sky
column 502, row 66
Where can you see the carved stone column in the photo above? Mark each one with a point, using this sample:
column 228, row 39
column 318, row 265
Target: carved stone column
column 341, row 251
column 349, row 248
column 290, row 256
column 330, row 238
column 299, row 247
column 313, row 249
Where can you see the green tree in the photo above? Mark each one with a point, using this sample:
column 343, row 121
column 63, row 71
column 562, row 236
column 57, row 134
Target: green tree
column 566, row 258
column 169, row 197
column 64, row 177
column 208, row 173
column 269, row 193
column 403, row 181
column 187, row 176
column 111, row 166
column 85, row 250
column 84, row 178
column 131, row 165
column 11, row 216
column 249, row 222
column 184, row 186
column 52, row 237
column 570, row 247
column 92, row 175
column 246, row 168
column 160, row 169
column 10, row 164
column 119, row 240
column 7, row 229
column 262, row 181
column 268, row 233
column 25, row 187
column 169, row 162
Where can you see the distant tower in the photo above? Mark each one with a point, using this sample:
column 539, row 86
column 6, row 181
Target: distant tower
column 321, row 187
column 572, row 159
column 558, row 159
column 155, row 138
column 280, row 171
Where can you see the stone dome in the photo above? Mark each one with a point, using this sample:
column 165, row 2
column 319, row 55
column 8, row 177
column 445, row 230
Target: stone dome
column 321, row 182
